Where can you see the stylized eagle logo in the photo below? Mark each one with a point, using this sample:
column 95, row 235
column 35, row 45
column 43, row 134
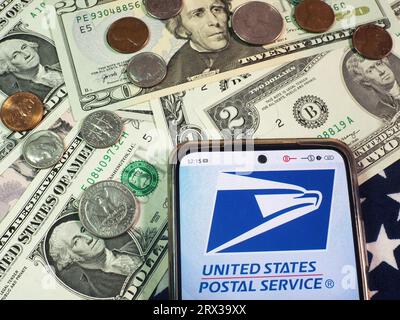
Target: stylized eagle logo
column 279, row 203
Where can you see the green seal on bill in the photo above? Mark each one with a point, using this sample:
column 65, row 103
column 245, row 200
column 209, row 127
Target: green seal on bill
column 141, row 177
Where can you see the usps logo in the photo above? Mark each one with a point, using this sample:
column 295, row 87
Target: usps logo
column 271, row 211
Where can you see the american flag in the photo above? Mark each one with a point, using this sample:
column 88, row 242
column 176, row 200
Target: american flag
column 380, row 203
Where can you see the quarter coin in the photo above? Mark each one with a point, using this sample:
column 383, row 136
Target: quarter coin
column 107, row 209
column 101, row 129
column 127, row 35
column 43, row 149
column 257, row 23
column 163, row 9
column 146, row 69
column 22, row 111
column 372, row 42
column 314, row 16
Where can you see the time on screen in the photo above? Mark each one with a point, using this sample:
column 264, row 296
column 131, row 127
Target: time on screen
column 197, row 161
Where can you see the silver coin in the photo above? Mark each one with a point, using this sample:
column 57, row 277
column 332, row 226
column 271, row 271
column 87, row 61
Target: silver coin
column 101, row 129
column 107, row 209
column 43, row 149
column 146, row 69
column 163, row 9
column 257, row 23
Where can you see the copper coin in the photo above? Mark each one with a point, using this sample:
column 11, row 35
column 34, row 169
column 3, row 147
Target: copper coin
column 372, row 42
column 163, row 9
column 257, row 23
column 314, row 16
column 127, row 35
column 22, row 111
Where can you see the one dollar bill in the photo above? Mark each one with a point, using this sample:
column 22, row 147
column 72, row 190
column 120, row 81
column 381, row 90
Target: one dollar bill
column 37, row 261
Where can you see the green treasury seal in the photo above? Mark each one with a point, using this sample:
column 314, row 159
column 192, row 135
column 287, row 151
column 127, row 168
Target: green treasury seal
column 141, row 177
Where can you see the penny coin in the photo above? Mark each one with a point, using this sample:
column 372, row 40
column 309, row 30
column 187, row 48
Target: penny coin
column 372, row 42
column 146, row 69
column 107, row 209
column 314, row 16
column 127, row 35
column 164, row 9
column 43, row 149
column 22, row 111
column 101, row 129
column 257, row 23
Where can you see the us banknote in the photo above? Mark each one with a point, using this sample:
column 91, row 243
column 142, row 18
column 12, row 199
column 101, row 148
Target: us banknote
column 336, row 94
column 96, row 74
column 16, row 178
column 28, row 62
column 32, row 234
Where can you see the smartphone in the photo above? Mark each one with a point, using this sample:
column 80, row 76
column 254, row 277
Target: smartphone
column 266, row 219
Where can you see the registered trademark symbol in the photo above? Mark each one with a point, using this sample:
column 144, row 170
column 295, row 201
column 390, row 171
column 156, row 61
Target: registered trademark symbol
column 329, row 283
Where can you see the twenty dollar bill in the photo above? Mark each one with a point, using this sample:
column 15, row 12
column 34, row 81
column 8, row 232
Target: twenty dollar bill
column 95, row 73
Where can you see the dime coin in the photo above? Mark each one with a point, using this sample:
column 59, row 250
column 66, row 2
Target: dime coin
column 127, row 35
column 43, row 149
column 163, row 9
column 101, row 129
column 372, row 42
column 257, row 23
column 107, row 209
column 146, row 69
column 22, row 111
column 314, row 16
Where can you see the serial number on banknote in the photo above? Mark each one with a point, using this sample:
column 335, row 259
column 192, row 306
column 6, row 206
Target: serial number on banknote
column 40, row 8
column 108, row 12
column 336, row 128
column 95, row 175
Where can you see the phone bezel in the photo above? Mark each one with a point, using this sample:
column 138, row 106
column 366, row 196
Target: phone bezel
column 265, row 145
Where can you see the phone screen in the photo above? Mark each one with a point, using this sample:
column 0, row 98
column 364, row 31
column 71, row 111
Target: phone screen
column 275, row 224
